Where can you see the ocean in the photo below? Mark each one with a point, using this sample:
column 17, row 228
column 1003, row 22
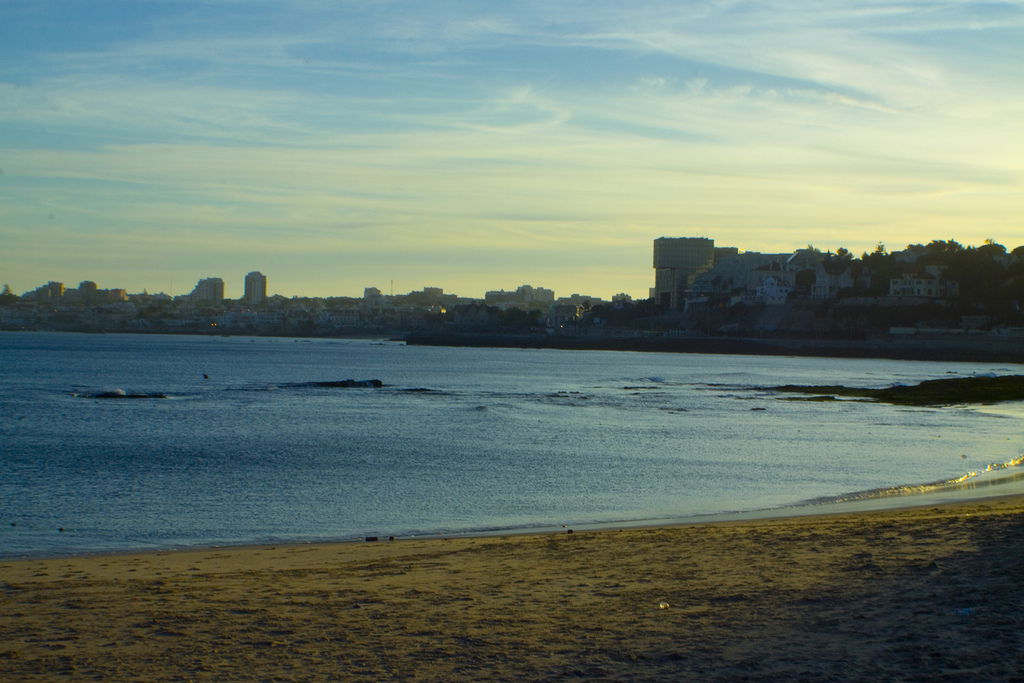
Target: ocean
column 215, row 440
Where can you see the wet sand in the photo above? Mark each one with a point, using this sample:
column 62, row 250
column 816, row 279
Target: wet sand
column 916, row 594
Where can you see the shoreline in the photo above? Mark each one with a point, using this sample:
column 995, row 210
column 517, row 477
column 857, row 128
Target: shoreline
column 1008, row 484
column 911, row 593
column 767, row 516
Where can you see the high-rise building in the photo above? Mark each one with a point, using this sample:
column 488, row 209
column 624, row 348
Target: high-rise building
column 255, row 288
column 677, row 261
column 209, row 289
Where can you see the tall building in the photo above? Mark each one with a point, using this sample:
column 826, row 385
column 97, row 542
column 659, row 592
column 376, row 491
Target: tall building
column 677, row 261
column 209, row 289
column 373, row 298
column 255, row 288
column 50, row 291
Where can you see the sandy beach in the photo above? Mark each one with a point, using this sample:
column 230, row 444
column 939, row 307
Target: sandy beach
column 914, row 594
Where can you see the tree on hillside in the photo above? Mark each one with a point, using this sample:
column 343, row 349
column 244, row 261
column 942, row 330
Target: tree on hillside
column 7, row 297
column 992, row 248
column 980, row 272
column 881, row 267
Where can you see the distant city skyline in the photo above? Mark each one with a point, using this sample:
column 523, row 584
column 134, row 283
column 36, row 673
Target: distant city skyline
column 255, row 290
column 468, row 146
column 254, row 284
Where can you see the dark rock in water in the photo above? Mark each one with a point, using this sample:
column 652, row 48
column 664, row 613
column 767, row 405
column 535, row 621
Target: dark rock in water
column 349, row 383
column 118, row 393
column 935, row 392
column 337, row 384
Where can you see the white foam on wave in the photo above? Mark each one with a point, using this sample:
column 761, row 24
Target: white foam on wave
column 968, row 478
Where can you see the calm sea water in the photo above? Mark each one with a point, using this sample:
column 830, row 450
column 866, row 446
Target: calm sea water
column 457, row 441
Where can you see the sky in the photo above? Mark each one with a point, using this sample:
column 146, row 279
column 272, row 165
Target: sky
column 477, row 144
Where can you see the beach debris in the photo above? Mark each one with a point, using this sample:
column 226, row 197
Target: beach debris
column 371, row 539
column 663, row 605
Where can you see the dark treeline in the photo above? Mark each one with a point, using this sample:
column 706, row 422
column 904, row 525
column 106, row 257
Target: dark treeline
column 988, row 274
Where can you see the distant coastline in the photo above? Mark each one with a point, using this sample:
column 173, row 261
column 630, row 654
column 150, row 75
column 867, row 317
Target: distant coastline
column 980, row 349
column 970, row 348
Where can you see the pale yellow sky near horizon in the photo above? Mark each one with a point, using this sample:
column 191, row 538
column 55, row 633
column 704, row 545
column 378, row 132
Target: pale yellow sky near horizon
column 336, row 146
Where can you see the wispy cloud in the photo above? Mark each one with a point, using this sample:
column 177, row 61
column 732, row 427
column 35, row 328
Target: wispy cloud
column 544, row 128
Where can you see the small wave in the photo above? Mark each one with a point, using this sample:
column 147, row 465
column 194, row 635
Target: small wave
column 917, row 489
column 634, row 382
column 570, row 398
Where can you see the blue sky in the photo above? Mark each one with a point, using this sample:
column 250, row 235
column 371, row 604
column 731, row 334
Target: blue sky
column 476, row 145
